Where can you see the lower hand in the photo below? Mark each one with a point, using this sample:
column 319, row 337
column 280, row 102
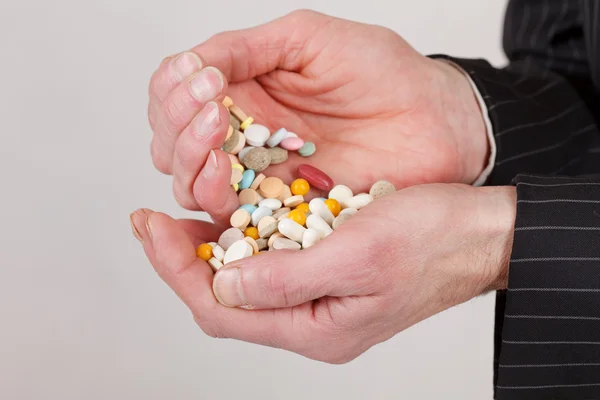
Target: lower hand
column 403, row 258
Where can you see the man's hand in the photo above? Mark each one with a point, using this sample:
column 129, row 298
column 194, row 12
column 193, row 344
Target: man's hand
column 403, row 258
column 375, row 107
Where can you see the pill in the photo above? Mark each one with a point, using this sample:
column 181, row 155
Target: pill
column 278, row 155
column 230, row 236
column 307, row 150
column 311, row 236
column 349, row 211
column 229, row 132
column 315, row 222
column 244, row 151
column 252, row 243
column 271, row 187
column 267, row 226
column 257, row 135
column 280, row 212
column 213, row 244
column 340, row 219
column 238, row 113
column 240, row 145
column 277, row 137
column 273, row 238
column 341, row 193
column 290, row 134
column 248, row 207
column 315, row 177
column 247, row 179
column 247, row 123
column 334, row 206
column 248, row 196
column 257, row 181
column 235, row 187
column 260, row 198
column 359, row 201
column 233, row 159
column 238, row 250
column 292, row 230
column 292, row 143
column 215, row 264
column 285, row 193
column 318, row 207
column 218, row 253
column 235, row 143
column 257, row 159
column 262, row 244
column 273, row 204
column 297, row 216
column 251, row 232
column 240, row 219
column 236, row 176
column 285, row 244
column 234, row 122
column 303, row 207
column 227, row 102
column 260, row 213
column 293, row 201
column 300, row 186
column 381, row 188
column 283, row 216
column 204, row 251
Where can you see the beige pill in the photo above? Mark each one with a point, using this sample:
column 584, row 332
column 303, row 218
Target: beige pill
column 382, row 188
column 267, row 226
column 349, row 211
column 257, row 181
column 286, row 193
column 248, row 196
column 273, row 238
column 238, row 113
column 233, row 142
column 240, row 145
column 257, row 159
column 252, row 243
column 294, row 201
column 271, row 187
column 215, row 264
column 285, row 244
column 281, row 211
column 227, row 102
column 236, row 176
column 233, row 159
column 229, row 237
column 283, row 216
column 240, row 219
column 278, row 155
column 340, row 219
column 229, row 133
column 262, row 244
column 234, row 122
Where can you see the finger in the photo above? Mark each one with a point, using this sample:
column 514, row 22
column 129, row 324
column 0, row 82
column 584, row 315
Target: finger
column 279, row 44
column 201, row 231
column 179, row 108
column 171, row 72
column 212, row 188
column 206, row 132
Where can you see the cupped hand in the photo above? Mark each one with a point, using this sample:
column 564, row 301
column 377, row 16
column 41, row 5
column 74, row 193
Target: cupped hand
column 375, row 107
column 403, row 258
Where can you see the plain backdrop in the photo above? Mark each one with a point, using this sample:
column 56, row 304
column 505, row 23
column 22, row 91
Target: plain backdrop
column 82, row 313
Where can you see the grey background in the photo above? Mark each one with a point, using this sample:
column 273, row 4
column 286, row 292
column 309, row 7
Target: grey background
column 82, row 313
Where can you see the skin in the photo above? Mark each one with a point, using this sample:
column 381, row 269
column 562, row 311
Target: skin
column 376, row 109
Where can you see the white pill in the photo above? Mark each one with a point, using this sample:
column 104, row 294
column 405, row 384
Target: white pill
column 257, row 135
column 215, row 264
column 230, row 236
column 273, row 204
column 340, row 219
column 243, row 152
column 277, row 137
column 359, row 201
column 350, row 211
column 237, row 251
column 315, row 222
column 212, row 244
column 341, row 193
column 218, row 253
column 259, row 213
column 311, row 236
column 318, row 207
column 290, row 134
column 291, row 229
column 260, row 198
column 283, row 243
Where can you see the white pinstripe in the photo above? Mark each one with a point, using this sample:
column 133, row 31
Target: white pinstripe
column 549, row 365
column 540, row 91
column 553, row 118
column 548, row 386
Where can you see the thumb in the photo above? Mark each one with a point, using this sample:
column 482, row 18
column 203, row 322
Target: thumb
column 280, row 44
column 283, row 278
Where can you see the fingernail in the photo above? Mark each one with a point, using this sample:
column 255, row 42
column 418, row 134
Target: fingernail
column 207, row 84
column 186, row 64
column 208, row 119
column 148, row 227
column 228, row 289
column 211, row 167
column 135, row 230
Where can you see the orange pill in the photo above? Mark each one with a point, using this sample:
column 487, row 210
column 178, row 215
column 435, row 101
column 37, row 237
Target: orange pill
column 252, row 232
column 303, row 207
column 334, row 206
column 204, row 251
column 300, row 187
column 297, row 216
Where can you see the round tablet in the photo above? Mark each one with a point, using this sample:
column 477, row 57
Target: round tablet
column 230, row 236
column 236, row 176
column 260, row 213
column 278, row 155
column 257, row 159
column 257, row 181
column 267, row 226
column 382, row 188
column 248, row 196
column 257, row 135
column 271, row 187
column 240, row 219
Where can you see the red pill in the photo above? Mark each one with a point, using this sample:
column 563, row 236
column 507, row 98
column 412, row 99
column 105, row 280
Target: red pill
column 317, row 178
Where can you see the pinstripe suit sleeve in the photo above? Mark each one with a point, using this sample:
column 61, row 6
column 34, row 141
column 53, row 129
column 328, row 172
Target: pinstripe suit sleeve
column 543, row 108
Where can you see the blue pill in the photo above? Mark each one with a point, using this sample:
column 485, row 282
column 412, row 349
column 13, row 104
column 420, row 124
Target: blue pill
column 277, row 137
column 249, row 207
column 247, row 179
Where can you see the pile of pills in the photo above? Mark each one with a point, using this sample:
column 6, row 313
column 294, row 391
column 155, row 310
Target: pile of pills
column 274, row 215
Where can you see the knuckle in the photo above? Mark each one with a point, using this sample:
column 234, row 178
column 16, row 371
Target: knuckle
column 208, row 327
column 171, row 116
column 277, row 289
column 159, row 162
column 183, row 197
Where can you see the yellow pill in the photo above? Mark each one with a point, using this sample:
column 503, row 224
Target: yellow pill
column 252, row 232
column 246, row 123
column 303, row 207
column 238, row 166
column 204, row 251
column 297, row 216
column 300, row 187
column 334, row 206
column 235, row 187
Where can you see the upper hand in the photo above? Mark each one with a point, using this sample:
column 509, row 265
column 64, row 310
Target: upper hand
column 375, row 107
